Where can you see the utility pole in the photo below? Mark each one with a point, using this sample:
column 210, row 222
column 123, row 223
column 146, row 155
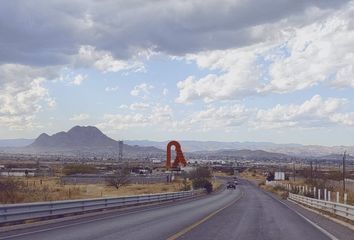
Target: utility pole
column 344, row 156
column 294, row 172
column 311, row 172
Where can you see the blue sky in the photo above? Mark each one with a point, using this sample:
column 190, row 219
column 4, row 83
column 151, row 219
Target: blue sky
column 196, row 70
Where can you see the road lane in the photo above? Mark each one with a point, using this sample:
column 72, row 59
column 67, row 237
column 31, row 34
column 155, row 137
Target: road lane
column 246, row 213
column 154, row 223
column 256, row 216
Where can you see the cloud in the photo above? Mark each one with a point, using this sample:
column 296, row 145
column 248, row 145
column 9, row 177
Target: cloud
column 51, row 32
column 165, row 91
column 160, row 115
column 223, row 117
column 343, row 118
column 139, row 106
column 88, row 56
column 79, row 117
column 300, row 57
column 111, row 89
column 142, row 90
column 23, row 94
column 78, row 79
column 239, row 78
column 315, row 112
column 123, row 106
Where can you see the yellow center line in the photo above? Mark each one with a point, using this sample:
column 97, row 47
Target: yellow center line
column 194, row 225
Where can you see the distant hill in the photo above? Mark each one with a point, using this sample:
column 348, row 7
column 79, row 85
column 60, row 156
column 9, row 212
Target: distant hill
column 244, row 154
column 288, row 149
column 19, row 142
column 92, row 139
column 83, row 138
column 77, row 137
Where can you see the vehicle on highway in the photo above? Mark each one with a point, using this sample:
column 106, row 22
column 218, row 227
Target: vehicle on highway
column 231, row 185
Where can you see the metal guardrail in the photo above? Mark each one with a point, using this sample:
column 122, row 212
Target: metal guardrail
column 343, row 210
column 27, row 211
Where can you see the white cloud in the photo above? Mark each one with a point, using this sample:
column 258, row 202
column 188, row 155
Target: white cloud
column 344, row 77
column 315, row 112
column 79, row 117
column 297, row 58
column 22, row 94
column 139, row 106
column 111, row 89
column 123, row 106
column 343, row 118
column 78, row 79
column 51, row 102
column 160, row 115
column 142, row 90
column 165, row 91
column 104, row 61
column 223, row 117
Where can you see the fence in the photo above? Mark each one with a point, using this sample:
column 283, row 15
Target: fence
column 26, row 211
column 322, row 199
column 343, row 210
column 101, row 179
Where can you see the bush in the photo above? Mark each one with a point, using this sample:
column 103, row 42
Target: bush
column 120, row 178
column 203, row 183
column 70, row 169
column 10, row 190
column 200, row 173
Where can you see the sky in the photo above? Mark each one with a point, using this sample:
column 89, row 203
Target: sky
column 274, row 70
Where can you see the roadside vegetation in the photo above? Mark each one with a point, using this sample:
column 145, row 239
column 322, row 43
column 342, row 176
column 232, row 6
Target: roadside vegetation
column 70, row 169
column 201, row 178
column 34, row 189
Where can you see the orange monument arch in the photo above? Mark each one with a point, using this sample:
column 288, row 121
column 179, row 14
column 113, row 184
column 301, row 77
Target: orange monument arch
column 179, row 160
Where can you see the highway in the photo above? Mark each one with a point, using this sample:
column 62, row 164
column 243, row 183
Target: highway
column 246, row 213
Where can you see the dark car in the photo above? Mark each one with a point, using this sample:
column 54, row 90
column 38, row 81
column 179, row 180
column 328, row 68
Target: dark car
column 231, row 185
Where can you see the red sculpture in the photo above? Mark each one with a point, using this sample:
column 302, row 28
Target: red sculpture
column 179, row 155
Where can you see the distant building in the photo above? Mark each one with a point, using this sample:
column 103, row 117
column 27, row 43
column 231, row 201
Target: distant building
column 279, row 176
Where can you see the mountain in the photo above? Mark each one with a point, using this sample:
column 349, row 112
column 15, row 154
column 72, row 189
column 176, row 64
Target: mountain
column 289, row 149
column 88, row 138
column 244, row 154
column 92, row 139
column 19, row 142
column 77, row 137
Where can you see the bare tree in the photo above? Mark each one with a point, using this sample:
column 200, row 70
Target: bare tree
column 120, row 178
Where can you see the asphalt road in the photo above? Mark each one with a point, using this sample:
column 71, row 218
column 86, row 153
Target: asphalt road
column 246, row 213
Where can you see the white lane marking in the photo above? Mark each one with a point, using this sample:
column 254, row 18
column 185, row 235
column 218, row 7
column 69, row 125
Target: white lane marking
column 328, row 234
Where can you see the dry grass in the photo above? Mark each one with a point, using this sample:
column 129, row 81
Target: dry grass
column 221, row 174
column 34, row 189
column 216, row 184
column 280, row 191
column 253, row 176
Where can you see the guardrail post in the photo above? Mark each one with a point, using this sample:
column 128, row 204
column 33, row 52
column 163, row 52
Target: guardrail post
column 337, row 197
column 314, row 192
column 325, row 194
column 345, row 198
column 319, row 194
